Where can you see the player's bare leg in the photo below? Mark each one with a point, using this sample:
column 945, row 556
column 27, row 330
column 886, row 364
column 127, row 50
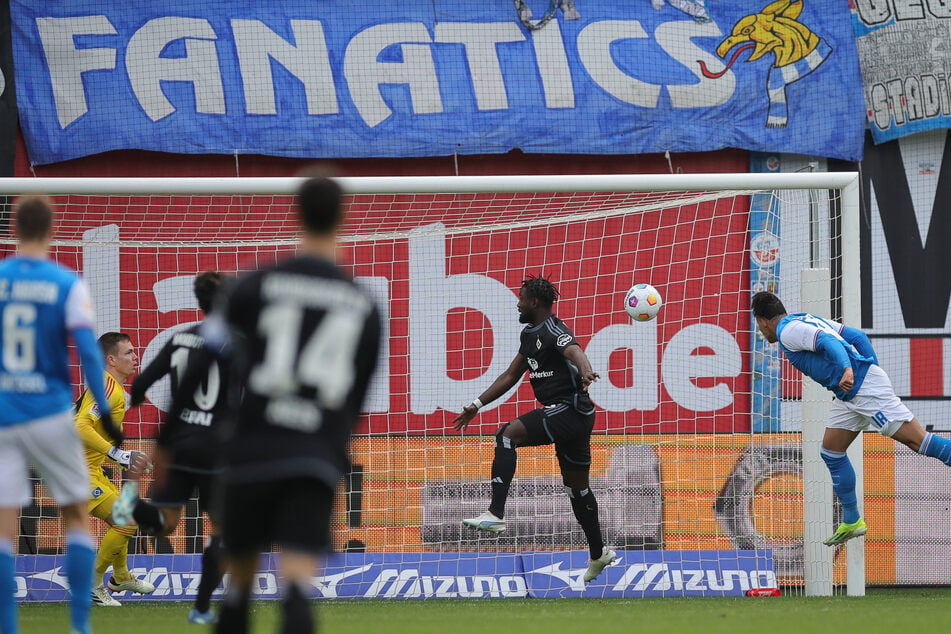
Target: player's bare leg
column 914, row 436
column 911, row 434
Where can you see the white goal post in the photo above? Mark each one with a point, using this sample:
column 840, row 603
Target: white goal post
column 705, row 441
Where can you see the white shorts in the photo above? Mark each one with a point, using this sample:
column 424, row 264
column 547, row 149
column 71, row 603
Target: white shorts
column 875, row 404
column 53, row 447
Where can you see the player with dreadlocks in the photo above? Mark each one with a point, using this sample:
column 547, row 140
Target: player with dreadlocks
column 560, row 374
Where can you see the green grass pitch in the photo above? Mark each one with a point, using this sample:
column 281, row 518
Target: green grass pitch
column 891, row 611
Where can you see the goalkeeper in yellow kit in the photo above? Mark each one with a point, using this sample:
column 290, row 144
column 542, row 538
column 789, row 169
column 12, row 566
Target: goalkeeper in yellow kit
column 121, row 362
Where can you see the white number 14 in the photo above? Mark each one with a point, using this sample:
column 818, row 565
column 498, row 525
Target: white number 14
column 325, row 361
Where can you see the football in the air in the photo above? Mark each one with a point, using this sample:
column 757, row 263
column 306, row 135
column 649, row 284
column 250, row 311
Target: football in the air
column 642, row 302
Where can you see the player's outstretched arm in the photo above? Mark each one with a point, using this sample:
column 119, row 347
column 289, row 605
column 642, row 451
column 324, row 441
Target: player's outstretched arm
column 154, row 371
column 505, row 381
column 860, row 341
column 576, row 355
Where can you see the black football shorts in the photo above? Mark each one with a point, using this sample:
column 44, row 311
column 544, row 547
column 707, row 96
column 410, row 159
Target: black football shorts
column 294, row 513
column 565, row 427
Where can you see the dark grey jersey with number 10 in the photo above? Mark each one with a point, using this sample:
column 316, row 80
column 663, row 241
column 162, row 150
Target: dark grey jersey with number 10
column 306, row 341
column 191, row 431
column 554, row 378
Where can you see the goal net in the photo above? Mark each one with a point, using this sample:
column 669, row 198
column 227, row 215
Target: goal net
column 702, row 448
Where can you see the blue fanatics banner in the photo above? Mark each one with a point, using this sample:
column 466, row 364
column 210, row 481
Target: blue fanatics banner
column 445, row 575
column 335, row 79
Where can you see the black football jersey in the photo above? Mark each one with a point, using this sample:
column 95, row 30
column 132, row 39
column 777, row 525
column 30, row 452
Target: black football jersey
column 191, row 430
column 554, row 378
column 305, row 341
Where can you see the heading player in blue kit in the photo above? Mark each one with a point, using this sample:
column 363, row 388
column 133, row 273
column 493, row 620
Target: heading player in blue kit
column 842, row 360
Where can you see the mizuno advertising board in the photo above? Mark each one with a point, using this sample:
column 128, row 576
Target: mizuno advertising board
column 443, row 575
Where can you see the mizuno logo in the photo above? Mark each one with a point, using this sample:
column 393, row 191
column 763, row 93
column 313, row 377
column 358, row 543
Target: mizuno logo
column 327, row 585
column 572, row 577
column 661, row 577
column 53, row 576
column 409, row 583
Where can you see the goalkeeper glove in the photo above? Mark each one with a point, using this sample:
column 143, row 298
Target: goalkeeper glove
column 130, row 459
column 112, row 430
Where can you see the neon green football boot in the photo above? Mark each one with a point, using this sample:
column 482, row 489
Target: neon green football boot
column 845, row 532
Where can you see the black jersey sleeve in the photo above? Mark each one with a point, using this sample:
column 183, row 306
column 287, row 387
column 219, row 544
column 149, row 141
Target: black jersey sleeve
column 154, row 371
column 565, row 339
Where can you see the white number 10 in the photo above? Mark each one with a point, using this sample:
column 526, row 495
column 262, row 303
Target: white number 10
column 205, row 399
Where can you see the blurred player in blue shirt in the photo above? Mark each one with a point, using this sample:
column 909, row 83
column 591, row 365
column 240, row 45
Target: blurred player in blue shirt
column 41, row 305
column 842, row 360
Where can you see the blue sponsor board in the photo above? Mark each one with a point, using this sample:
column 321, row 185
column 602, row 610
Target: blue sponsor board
column 422, row 576
column 176, row 577
column 651, row 573
column 444, row 575
column 336, row 79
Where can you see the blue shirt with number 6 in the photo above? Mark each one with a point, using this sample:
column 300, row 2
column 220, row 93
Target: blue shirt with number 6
column 41, row 304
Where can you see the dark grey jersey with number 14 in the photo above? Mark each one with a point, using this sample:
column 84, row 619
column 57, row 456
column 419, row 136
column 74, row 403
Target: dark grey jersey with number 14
column 554, row 378
column 305, row 347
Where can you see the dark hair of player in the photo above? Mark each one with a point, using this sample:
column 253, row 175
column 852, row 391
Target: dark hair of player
column 541, row 289
column 33, row 217
column 767, row 305
column 319, row 205
column 109, row 341
column 206, row 287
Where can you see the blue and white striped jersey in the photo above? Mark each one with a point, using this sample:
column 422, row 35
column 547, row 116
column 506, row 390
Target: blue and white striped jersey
column 41, row 303
column 821, row 349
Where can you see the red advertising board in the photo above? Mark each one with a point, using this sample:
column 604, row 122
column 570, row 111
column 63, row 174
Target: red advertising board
column 446, row 270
